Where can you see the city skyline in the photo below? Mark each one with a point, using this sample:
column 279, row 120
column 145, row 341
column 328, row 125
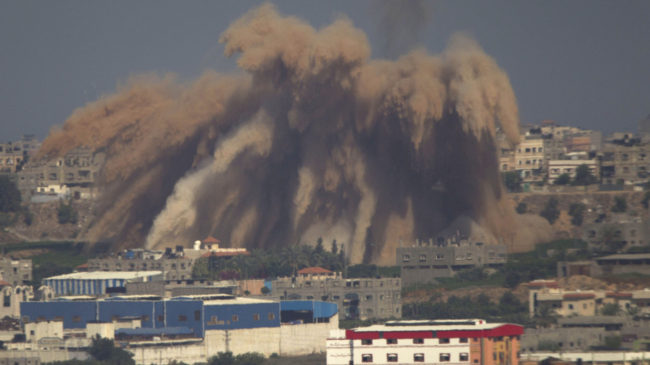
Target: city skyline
column 579, row 63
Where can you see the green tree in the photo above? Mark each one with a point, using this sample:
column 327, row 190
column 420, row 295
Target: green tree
column 576, row 211
column 66, row 213
column 512, row 181
column 335, row 247
column 610, row 309
column 584, row 176
column 550, row 211
column 563, row 179
column 104, row 350
column 521, row 208
column 9, row 195
column 620, row 204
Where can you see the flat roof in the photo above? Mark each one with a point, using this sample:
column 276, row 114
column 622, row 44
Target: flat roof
column 99, row 275
column 626, row 256
column 433, row 325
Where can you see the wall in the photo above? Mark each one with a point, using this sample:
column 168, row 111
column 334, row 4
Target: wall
column 162, row 355
column 306, row 338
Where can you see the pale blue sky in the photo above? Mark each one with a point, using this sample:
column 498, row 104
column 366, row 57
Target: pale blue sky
column 585, row 63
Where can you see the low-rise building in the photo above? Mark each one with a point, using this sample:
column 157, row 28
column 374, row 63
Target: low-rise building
column 357, row 298
column 470, row 341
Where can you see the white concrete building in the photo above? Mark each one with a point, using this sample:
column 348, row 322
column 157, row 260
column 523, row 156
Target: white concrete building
column 468, row 341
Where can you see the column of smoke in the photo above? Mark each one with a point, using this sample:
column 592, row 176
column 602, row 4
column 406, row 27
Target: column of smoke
column 314, row 140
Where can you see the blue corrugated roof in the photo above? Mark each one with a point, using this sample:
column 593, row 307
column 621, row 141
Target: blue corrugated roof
column 320, row 309
column 155, row 331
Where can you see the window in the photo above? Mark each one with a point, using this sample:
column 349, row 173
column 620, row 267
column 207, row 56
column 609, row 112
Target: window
column 462, row 340
column 464, row 356
column 256, row 317
column 418, row 341
column 76, row 319
column 271, row 316
column 366, row 342
column 197, row 315
column 406, row 258
column 570, row 306
column 368, row 297
column 161, row 319
column 423, row 258
column 443, row 340
column 235, row 318
column 444, row 357
column 391, row 341
column 182, row 318
column 391, row 357
column 366, row 357
column 419, row 357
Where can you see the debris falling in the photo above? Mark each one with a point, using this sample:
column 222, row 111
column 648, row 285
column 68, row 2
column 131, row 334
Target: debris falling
column 312, row 138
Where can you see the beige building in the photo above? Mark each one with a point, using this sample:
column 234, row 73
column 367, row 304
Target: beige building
column 72, row 175
column 15, row 272
column 626, row 160
column 560, row 167
column 529, row 159
column 584, row 303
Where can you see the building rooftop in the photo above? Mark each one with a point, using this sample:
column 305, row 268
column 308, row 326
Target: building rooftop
column 626, row 256
column 435, row 325
column 100, row 275
column 314, row 270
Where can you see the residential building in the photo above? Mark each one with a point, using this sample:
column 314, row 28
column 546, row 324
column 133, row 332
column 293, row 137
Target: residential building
column 625, row 159
column 619, row 232
column 172, row 263
column 549, row 298
column 529, row 158
column 73, row 175
column 469, row 341
column 357, row 298
column 14, row 271
column 13, row 155
column 426, row 261
column 12, row 296
column 560, row 167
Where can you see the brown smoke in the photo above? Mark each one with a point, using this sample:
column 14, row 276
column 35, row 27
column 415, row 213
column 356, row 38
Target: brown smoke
column 316, row 140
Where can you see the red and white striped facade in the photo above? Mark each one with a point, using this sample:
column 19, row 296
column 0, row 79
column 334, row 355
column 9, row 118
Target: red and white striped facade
column 444, row 342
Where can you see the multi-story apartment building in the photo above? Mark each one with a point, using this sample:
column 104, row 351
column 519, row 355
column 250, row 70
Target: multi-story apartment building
column 465, row 341
column 71, row 175
column 625, row 159
column 15, row 272
column 619, row 232
column 426, row 261
column 13, row 155
column 357, row 298
column 529, row 158
column 560, row 167
column 173, row 264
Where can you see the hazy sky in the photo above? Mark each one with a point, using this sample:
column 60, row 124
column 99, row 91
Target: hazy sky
column 584, row 63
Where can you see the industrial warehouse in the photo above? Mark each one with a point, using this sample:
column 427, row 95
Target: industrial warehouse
column 191, row 328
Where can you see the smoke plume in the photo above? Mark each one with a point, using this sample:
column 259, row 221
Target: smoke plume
column 312, row 139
